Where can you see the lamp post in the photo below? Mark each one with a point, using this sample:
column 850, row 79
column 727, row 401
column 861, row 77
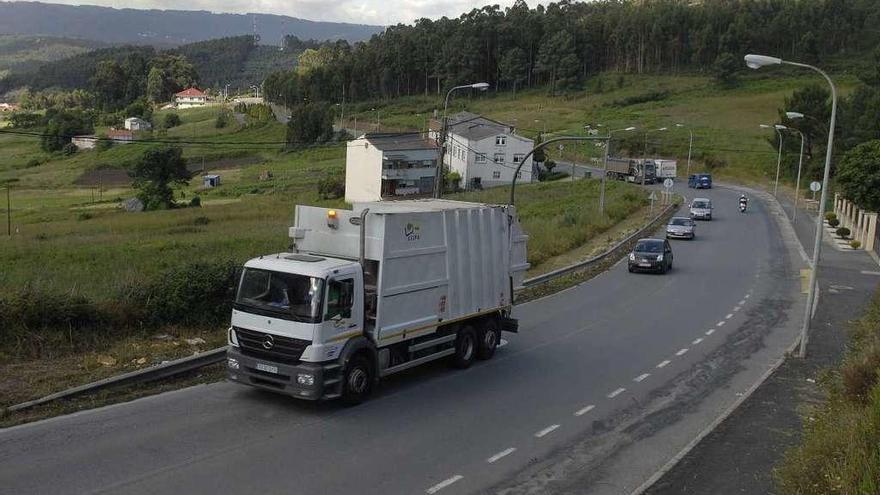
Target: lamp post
column 645, row 158
column 756, row 62
column 690, row 149
column 605, row 167
column 779, row 128
column 797, row 184
column 438, row 188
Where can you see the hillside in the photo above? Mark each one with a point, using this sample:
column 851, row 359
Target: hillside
column 24, row 53
column 163, row 27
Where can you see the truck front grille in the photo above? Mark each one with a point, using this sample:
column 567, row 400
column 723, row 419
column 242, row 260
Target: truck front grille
column 283, row 350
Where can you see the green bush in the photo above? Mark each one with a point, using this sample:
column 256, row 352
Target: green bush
column 855, row 244
column 84, row 215
column 834, row 222
column 829, row 215
column 331, row 186
column 842, row 232
column 195, row 202
column 171, row 120
column 68, row 149
column 201, row 221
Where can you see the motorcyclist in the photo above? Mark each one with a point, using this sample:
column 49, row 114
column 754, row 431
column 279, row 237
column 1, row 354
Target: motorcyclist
column 743, row 201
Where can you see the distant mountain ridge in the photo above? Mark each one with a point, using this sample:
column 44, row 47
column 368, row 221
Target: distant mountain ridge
column 163, row 27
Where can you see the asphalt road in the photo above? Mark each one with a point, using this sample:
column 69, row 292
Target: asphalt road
column 588, row 366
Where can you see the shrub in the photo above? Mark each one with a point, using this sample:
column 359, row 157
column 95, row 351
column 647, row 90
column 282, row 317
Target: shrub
column 171, row 120
column 33, row 162
column 331, row 186
column 222, row 120
column 69, row 149
column 829, row 215
column 834, row 222
column 842, row 232
column 195, row 202
column 859, row 373
column 84, row 215
column 855, row 244
column 104, row 143
column 642, row 98
column 201, row 221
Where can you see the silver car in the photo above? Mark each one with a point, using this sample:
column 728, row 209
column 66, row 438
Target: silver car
column 681, row 228
column 701, row 209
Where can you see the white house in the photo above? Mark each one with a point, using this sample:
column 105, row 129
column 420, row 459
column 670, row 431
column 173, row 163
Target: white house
column 484, row 152
column 389, row 165
column 191, row 97
column 137, row 124
column 85, row 142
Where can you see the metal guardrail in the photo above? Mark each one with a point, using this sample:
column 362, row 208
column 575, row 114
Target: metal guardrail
column 546, row 277
column 190, row 363
column 157, row 372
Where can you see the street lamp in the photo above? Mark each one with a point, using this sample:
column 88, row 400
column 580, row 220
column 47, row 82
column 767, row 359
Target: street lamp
column 645, row 159
column 690, row 148
column 605, row 166
column 481, row 86
column 779, row 128
column 797, row 184
column 756, row 62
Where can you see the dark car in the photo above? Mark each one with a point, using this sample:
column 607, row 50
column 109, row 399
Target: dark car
column 681, row 228
column 700, row 181
column 651, row 255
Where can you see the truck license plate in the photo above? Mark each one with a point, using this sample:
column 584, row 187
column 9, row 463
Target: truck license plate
column 267, row 368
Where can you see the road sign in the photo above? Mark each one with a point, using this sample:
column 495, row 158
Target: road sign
column 815, row 186
column 667, row 183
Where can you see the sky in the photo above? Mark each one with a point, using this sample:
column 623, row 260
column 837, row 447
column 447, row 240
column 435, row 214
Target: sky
column 377, row 12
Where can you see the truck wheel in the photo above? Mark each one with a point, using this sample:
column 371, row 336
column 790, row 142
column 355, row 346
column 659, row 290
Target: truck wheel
column 358, row 383
column 490, row 336
column 465, row 348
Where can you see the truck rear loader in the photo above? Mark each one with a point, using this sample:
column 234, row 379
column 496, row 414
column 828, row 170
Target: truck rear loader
column 375, row 290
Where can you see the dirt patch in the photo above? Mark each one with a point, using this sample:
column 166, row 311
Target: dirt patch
column 119, row 177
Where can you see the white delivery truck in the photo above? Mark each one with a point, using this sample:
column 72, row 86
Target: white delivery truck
column 666, row 169
column 375, row 290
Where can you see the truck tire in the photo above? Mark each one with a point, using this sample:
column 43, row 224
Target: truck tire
column 358, row 380
column 489, row 337
column 465, row 348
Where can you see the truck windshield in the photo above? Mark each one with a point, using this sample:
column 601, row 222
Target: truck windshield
column 285, row 295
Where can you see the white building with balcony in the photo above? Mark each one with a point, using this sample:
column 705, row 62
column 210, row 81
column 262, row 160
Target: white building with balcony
column 484, row 152
column 384, row 166
column 191, row 98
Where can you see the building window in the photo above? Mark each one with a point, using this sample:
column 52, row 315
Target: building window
column 481, row 158
column 500, row 140
column 496, row 174
column 517, row 157
column 499, row 158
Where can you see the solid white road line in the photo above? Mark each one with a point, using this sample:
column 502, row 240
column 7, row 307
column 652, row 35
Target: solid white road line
column 729, row 316
column 720, row 323
column 697, row 340
column 710, row 331
column 681, row 352
column 443, row 484
column 664, row 363
column 641, row 377
column 616, row 393
column 503, row 453
column 546, row 431
column 868, row 272
column 581, row 412
column 736, row 308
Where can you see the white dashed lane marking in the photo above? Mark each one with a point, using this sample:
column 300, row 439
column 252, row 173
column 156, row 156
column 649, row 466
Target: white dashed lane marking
column 616, row 393
column 710, row 331
column 697, row 340
column 720, row 323
column 443, row 484
column 681, row 352
column 581, row 412
column 641, row 377
column 664, row 363
column 747, row 296
column 729, row 316
column 736, row 308
column 546, row 431
column 503, row 453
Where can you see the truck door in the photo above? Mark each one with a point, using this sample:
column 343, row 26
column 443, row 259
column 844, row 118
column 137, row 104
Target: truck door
column 343, row 311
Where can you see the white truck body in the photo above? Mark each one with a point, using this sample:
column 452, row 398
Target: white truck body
column 666, row 169
column 421, row 270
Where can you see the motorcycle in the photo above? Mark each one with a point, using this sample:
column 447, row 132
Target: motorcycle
column 742, row 206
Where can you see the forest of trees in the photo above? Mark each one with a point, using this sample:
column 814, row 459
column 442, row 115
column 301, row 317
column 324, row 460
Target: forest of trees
column 562, row 44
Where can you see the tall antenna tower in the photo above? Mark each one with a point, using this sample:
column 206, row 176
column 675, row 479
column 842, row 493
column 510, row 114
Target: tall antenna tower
column 256, row 36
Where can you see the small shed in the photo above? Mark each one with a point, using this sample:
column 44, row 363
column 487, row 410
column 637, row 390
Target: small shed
column 211, row 180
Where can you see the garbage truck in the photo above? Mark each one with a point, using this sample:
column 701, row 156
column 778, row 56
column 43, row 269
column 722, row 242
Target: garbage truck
column 375, row 290
column 631, row 170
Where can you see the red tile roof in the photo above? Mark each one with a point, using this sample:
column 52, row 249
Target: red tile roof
column 191, row 92
column 119, row 133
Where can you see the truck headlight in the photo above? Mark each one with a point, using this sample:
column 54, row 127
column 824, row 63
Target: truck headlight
column 233, row 339
column 632, row 256
column 305, row 379
column 659, row 257
column 233, row 364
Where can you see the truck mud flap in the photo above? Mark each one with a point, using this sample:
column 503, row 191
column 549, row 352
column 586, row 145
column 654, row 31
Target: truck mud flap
column 509, row 325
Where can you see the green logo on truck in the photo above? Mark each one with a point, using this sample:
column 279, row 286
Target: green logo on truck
column 411, row 231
